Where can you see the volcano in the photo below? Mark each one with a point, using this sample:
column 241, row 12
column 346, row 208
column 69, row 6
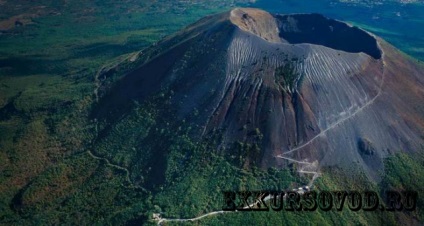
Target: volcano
column 294, row 88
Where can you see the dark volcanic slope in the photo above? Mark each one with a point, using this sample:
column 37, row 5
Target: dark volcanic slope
column 317, row 89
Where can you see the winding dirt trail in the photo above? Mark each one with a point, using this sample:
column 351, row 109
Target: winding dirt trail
column 163, row 220
column 97, row 85
column 160, row 220
column 343, row 119
column 293, row 160
column 127, row 172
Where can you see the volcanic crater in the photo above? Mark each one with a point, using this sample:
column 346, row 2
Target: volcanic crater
column 311, row 88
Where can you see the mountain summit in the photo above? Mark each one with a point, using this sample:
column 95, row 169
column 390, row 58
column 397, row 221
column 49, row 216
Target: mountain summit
column 277, row 90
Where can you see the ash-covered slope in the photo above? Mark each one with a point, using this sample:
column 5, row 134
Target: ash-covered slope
column 312, row 88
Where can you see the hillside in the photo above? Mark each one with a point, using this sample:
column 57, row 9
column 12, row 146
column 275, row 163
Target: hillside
column 240, row 100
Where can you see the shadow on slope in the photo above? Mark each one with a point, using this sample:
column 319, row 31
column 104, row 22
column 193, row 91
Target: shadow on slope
column 317, row 29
